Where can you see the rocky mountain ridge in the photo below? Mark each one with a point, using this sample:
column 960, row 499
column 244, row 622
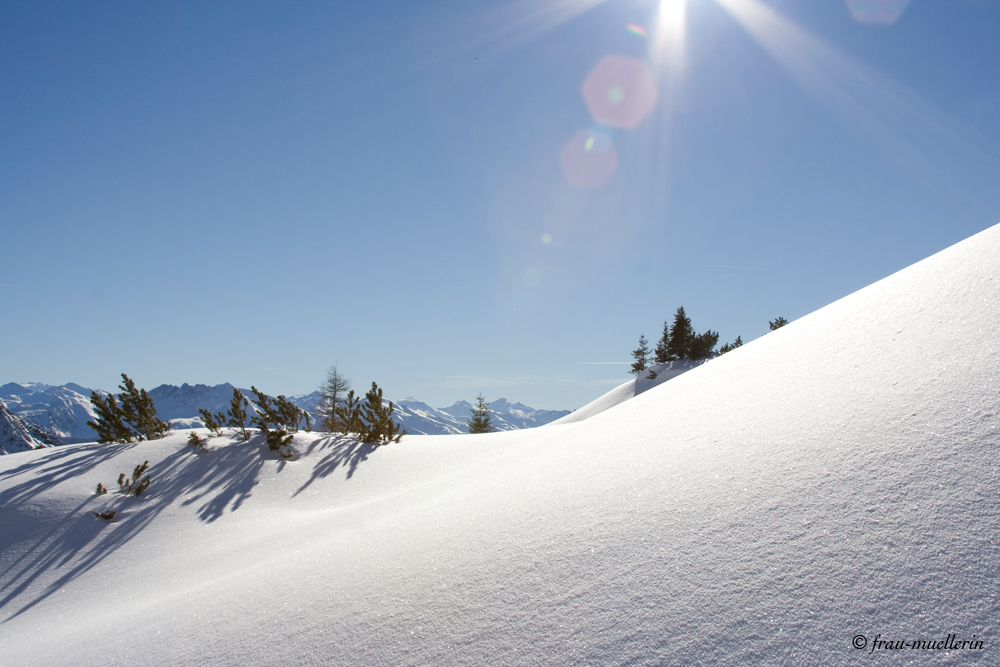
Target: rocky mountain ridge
column 65, row 409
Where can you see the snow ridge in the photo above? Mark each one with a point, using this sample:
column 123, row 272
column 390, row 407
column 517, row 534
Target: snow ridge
column 830, row 482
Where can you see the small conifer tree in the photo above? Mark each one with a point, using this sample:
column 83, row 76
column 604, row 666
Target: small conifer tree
column 110, row 424
column 197, row 442
column 290, row 414
column 777, row 323
column 238, row 413
column 335, row 385
column 681, row 335
column 132, row 416
column 135, row 485
column 703, row 345
column 378, row 427
column 641, row 356
column 349, row 414
column 480, row 420
column 660, row 354
column 139, row 411
column 729, row 347
column 214, row 423
column 268, row 415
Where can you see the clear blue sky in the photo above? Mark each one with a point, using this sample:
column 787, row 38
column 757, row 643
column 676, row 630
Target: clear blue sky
column 250, row 192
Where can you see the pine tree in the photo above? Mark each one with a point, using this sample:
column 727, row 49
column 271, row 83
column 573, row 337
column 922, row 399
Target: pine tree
column 268, row 416
column 777, row 323
column 349, row 414
column 196, row 441
column 641, row 356
column 213, row 423
column 660, row 355
column 290, row 414
column 480, row 420
column 379, row 427
column 132, row 416
column 135, row 485
column 110, row 423
column 139, row 411
column 681, row 335
column 335, row 385
column 703, row 345
column 237, row 414
column 729, row 347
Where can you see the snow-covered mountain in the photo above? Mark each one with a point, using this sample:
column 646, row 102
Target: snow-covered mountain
column 17, row 435
column 66, row 409
column 826, row 485
column 506, row 416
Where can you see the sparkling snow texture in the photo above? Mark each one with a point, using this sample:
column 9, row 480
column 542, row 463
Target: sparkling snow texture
column 835, row 477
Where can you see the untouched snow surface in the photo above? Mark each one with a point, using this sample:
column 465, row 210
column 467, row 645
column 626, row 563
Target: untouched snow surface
column 629, row 389
column 837, row 477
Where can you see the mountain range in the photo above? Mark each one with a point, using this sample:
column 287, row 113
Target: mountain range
column 18, row 435
column 823, row 491
column 64, row 410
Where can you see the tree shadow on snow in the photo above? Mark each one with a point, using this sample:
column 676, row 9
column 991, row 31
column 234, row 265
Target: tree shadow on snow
column 220, row 480
column 341, row 451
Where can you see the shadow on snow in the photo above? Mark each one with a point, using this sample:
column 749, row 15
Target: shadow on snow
column 221, row 479
column 341, row 451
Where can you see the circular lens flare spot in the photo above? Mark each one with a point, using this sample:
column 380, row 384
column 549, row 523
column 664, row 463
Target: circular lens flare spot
column 546, row 238
column 877, row 12
column 531, row 277
column 588, row 159
column 619, row 91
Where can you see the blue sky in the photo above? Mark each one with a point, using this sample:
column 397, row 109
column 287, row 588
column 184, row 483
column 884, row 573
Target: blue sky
column 250, row 192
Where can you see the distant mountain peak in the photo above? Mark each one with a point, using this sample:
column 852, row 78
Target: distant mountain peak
column 19, row 435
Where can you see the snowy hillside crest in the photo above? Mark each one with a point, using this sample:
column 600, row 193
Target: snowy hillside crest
column 828, row 484
column 66, row 409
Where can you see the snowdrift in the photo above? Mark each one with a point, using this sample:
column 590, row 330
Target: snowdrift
column 630, row 389
column 835, row 478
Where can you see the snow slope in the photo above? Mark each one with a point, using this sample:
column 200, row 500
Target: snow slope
column 837, row 477
column 630, row 389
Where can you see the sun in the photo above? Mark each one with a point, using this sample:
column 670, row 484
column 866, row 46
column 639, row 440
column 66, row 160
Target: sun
column 667, row 46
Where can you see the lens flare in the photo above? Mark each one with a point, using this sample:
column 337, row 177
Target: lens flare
column 619, row 91
column 588, row 159
column 877, row 12
column 636, row 29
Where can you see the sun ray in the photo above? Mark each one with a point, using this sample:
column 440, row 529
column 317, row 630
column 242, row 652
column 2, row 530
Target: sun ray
column 897, row 122
column 667, row 45
column 501, row 28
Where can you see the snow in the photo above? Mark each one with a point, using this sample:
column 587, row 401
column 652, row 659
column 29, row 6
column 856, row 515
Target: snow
column 630, row 389
column 833, row 478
